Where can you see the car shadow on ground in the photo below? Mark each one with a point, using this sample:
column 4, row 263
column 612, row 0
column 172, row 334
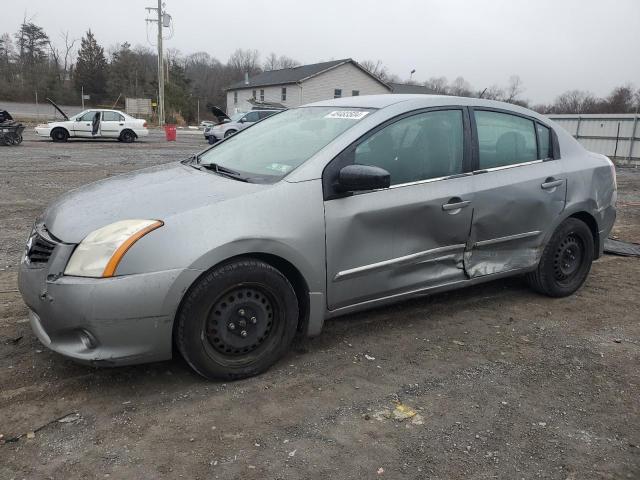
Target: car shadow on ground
column 175, row 374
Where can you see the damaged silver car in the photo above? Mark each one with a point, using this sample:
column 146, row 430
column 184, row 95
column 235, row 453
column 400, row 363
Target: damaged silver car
column 315, row 212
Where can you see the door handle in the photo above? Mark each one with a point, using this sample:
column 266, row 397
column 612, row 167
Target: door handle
column 121, row 124
column 551, row 183
column 456, row 204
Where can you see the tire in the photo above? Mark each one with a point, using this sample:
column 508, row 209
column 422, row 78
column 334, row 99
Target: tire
column 59, row 135
column 237, row 320
column 127, row 136
column 228, row 133
column 566, row 260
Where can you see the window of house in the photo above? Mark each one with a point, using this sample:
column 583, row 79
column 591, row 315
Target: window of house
column 235, row 98
column 262, row 95
column 337, row 93
column 355, row 93
column 544, row 142
column 505, row 139
column 284, row 94
column 254, row 95
column 419, row 147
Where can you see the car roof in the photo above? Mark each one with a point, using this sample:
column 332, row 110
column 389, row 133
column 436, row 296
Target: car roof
column 415, row 101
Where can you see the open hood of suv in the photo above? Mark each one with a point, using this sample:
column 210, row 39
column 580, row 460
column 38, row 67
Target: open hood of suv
column 57, row 108
column 218, row 113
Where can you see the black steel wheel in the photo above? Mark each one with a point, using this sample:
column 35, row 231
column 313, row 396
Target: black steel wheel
column 566, row 260
column 59, row 135
column 127, row 136
column 237, row 320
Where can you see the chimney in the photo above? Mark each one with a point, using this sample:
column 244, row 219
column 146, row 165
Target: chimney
column 246, row 78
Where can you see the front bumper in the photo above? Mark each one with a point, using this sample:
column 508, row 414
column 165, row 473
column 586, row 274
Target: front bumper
column 43, row 131
column 103, row 321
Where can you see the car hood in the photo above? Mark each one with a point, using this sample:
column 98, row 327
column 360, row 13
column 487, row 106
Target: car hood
column 156, row 193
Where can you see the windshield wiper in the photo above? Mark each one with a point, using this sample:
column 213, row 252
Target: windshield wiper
column 224, row 171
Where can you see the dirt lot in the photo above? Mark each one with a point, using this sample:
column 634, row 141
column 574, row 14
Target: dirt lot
column 506, row 383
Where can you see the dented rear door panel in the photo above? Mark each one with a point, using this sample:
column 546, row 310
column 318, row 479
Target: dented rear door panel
column 513, row 209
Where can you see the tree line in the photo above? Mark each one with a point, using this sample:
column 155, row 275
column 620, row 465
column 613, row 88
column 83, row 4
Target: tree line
column 31, row 61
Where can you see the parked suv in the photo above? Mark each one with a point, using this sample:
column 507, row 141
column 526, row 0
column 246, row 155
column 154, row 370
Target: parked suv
column 236, row 123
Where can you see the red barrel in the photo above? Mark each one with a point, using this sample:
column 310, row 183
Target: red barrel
column 170, row 132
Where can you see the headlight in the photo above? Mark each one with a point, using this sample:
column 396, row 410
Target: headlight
column 99, row 254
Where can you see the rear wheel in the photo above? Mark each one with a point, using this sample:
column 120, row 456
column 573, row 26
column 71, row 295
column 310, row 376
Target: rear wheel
column 565, row 261
column 127, row 136
column 59, row 135
column 237, row 320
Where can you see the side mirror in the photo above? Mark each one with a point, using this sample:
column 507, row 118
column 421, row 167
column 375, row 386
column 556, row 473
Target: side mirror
column 243, row 119
column 353, row 178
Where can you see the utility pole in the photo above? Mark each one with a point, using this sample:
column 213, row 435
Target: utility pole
column 163, row 19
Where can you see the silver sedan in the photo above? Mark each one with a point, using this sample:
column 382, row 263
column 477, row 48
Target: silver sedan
column 315, row 212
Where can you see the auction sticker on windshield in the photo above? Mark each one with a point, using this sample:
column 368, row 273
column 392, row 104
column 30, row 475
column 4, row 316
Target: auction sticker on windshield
column 347, row 114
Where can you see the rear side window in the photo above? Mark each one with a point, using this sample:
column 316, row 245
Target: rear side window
column 112, row 117
column 544, row 142
column 419, row 147
column 265, row 114
column 505, row 139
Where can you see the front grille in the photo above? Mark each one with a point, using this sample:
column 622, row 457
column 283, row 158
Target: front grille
column 39, row 248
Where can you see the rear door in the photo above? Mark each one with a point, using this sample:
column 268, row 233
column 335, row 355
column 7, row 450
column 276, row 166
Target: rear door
column 520, row 189
column 112, row 124
column 412, row 235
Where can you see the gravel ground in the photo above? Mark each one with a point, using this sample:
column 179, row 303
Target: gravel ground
column 505, row 383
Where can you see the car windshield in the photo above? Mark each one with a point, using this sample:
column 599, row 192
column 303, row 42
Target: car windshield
column 272, row 148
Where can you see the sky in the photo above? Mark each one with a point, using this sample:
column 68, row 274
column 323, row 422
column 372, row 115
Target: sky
column 553, row 45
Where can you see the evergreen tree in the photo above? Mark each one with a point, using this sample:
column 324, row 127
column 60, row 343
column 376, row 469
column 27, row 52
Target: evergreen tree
column 91, row 67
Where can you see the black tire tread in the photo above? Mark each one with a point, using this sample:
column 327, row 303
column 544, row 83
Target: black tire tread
column 540, row 279
column 215, row 275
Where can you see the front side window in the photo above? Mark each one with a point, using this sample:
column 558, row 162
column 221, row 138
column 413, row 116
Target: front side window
column 284, row 93
column 419, row 147
column 252, row 117
column 505, row 139
column 269, row 150
column 337, row 93
column 262, row 95
column 87, row 117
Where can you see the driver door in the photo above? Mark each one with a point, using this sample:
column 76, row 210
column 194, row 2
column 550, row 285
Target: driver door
column 83, row 127
column 412, row 235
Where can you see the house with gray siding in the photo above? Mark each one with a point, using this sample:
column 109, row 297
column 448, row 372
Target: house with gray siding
column 291, row 87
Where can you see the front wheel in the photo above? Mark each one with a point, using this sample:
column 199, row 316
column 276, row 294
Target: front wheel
column 228, row 133
column 237, row 320
column 565, row 261
column 59, row 135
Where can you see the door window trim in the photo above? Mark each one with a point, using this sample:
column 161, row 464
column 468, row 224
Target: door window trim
column 553, row 138
column 332, row 168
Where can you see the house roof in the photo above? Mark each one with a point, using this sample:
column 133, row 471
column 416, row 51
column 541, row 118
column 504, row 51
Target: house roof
column 408, row 88
column 301, row 73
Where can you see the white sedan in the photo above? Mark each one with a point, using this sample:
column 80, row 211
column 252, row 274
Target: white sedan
column 94, row 123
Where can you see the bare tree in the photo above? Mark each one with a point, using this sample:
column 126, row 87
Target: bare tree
column 494, row 92
column 460, row 88
column 67, row 63
column 574, row 101
column 245, row 61
column 438, row 85
column 514, row 89
column 376, row 68
column 273, row 62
